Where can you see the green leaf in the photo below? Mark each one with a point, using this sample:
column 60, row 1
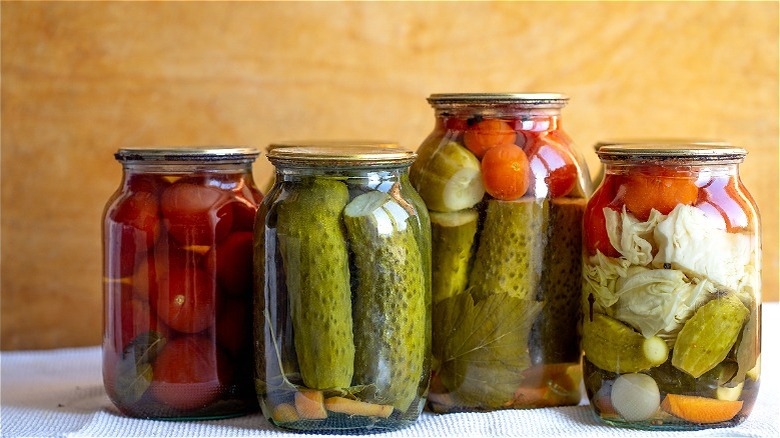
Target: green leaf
column 134, row 369
column 482, row 348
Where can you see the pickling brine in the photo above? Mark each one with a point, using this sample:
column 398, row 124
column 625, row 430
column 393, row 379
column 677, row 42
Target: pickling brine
column 671, row 288
column 506, row 191
column 342, row 317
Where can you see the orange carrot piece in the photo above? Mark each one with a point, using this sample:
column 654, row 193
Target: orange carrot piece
column 700, row 409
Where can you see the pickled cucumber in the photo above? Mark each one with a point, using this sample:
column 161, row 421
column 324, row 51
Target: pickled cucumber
column 316, row 265
column 707, row 337
column 448, row 177
column 613, row 346
column 390, row 310
column 509, row 257
column 554, row 336
column 452, row 236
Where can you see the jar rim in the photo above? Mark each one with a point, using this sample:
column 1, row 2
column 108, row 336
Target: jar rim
column 520, row 100
column 339, row 153
column 187, row 153
column 696, row 152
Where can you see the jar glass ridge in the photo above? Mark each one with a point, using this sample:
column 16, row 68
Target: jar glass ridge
column 672, row 262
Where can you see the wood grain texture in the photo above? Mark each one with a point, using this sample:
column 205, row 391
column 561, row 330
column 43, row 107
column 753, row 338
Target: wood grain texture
column 80, row 80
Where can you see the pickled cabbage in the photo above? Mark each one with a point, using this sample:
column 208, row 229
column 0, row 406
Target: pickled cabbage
column 658, row 301
column 600, row 275
column 688, row 240
column 630, row 237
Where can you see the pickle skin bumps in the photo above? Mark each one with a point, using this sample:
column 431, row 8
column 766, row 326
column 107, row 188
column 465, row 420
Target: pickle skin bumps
column 390, row 300
column 554, row 336
column 509, row 255
column 316, row 263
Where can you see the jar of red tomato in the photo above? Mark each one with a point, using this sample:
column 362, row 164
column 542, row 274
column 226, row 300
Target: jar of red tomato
column 506, row 191
column 177, row 281
column 671, row 288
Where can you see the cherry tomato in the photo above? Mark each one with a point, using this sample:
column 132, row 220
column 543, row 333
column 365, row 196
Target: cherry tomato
column 594, row 223
column 166, row 253
column 660, row 189
column 196, row 214
column 722, row 198
column 505, row 172
column 132, row 227
column 551, row 163
column 190, row 372
column 231, row 259
column 487, row 134
column 234, row 325
column 185, row 299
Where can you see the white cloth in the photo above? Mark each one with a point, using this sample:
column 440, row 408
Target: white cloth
column 60, row 393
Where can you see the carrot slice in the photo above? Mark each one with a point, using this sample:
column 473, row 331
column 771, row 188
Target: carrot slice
column 700, row 409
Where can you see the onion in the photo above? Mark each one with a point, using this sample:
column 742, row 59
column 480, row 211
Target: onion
column 635, row 396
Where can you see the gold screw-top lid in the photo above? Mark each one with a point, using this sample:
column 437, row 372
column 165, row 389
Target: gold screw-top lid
column 519, row 100
column 670, row 140
column 339, row 153
column 222, row 154
column 679, row 152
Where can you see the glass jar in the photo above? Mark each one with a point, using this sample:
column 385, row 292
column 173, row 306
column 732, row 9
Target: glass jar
column 506, row 191
column 177, row 280
column 342, row 313
column 672, row 288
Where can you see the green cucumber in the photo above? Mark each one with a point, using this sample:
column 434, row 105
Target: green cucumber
column 555, row 334
column 613, row 346
column 509, row 257
column 447, row 176
column 316, row 264
column 390, row 310
column 707, row 337
column 452, row 239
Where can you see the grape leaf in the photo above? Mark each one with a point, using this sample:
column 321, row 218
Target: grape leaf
column 134, row 368
column 482, row 347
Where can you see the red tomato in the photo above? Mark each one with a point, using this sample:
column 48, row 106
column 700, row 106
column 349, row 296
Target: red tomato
column 455, row 124
column 189, row 373
column 166, row 253
column 146, row 182
column 185, row 299
column 724, row 199
column 132, row 226
column 552, row 163
column 132, row 317
column 658, row 188
column 243, row 214
column 505, row 172
column 487, row 134
column 234, row 325
column 196, row 214
column 594, row 223
column 231, row 259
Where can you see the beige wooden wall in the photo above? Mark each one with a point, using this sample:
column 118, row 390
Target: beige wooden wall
column 80, row 80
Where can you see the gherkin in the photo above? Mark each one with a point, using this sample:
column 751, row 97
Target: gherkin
column 391, row 315
column 316, row 264
column 707, row 337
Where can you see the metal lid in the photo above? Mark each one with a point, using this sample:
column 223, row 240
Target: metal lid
column 187, row 153
column 687, row 152
column 701, row 141
column 339, row 153
column 520, row 100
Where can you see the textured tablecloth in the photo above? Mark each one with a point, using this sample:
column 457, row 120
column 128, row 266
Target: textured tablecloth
column 60, row 393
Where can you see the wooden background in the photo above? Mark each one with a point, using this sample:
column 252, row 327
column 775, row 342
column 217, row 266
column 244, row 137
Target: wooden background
column 80, row 80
